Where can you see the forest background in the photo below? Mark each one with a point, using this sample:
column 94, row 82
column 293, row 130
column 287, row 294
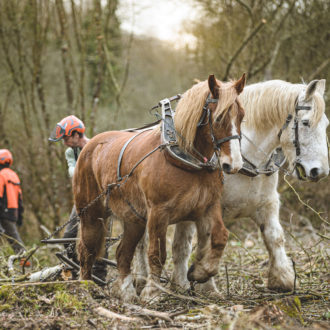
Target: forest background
column 61, row 57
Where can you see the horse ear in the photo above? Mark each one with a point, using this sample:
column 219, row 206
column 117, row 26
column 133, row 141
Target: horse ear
column 320, row 88
column 213, row 86
column 312, row 87
column 239, row 84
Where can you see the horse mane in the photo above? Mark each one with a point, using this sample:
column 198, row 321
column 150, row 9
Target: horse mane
column 190, row 107
column 267, row 104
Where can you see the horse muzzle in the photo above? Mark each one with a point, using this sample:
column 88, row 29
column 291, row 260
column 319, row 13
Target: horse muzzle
column 315, row 174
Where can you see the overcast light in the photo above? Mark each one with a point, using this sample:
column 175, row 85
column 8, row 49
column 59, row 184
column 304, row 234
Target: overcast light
column 161, row 19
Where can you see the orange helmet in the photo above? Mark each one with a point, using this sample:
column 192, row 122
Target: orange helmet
column 66, row 127
column 5, row 157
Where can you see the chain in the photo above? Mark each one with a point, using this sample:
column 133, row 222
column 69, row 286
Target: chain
column 103, row 193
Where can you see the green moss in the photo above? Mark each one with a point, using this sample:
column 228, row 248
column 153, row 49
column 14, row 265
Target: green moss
column 67, row 301
column 5, row 307
column 87, row 284
column 291, row 307
column 5, row 291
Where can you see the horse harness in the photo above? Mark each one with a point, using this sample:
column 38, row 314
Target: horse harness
column 295, row 125
column 169, row 138
column 170, row 143
column 277, row 158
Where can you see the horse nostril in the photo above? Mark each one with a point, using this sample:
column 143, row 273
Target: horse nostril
column 226, row 167
column 314, row 172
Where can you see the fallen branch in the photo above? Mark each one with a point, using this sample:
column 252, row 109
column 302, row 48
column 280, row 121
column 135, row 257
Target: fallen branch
column 11, row 260
column 148, row 312
column 112, row 315
column 46, row 273
column 14, row 279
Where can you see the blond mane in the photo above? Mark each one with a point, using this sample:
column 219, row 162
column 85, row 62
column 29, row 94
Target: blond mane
column 267, row 104
column 189, row 110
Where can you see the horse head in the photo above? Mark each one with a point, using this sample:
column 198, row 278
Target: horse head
column 304, row 142
column 225, row 121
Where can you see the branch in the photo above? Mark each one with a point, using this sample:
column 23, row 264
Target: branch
column 316, row 72
column 148, row 312
column 247, row 7
column 112, row 315
column 242, row 46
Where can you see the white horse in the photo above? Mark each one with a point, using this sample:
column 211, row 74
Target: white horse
column 277, row 114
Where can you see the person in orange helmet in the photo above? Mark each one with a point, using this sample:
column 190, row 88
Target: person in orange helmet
column 72, row 131
column 11, row 202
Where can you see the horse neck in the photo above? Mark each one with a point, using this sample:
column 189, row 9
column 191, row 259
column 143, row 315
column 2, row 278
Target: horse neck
column 203, row 143
column 257, row 146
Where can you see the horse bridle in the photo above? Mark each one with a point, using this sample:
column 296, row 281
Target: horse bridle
column 295, row 127
column 207, row 113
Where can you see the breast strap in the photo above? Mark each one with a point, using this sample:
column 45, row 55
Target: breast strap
column 119, row 178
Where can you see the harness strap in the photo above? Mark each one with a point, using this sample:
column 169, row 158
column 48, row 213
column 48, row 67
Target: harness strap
column 119, row 178
column 303, row 107
column 251, row 170
column 206, row 110
column 161, row 146
column 228, row 138
column 286, row 124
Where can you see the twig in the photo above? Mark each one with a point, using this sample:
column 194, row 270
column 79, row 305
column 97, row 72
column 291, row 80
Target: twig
column 227, row 279
column 305, row 204
column 323, row 236
column 14, row 279
column 295, row 276
column 180, row 296
column 183, row 311
column 32, row 251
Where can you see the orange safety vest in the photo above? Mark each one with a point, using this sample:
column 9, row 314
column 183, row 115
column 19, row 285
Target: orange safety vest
column 11, row 186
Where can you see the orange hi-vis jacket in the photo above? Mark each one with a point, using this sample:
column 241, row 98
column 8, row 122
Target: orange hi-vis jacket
column 10, row 194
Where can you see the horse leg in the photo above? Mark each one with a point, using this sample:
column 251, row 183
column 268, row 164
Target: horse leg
column 212, row 239
column 181, row 250
column 123, row 286
column 92, row 233
column 140, row 263
column 157, row 228
column 281, row 274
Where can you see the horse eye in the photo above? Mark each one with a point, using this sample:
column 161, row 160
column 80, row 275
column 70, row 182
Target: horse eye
column 305, row 122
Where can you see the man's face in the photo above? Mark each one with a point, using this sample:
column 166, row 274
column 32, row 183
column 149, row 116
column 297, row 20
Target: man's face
column 71, row 141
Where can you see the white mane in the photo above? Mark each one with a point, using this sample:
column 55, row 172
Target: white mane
column 267, row 104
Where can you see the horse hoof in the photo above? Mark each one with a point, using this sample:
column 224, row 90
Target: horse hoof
column 139, row 284
column 124, row 290
column 283, row 283
column 208, row 288
column 190, row 273
column 197, row 274
column 281, row 287
column 150, row 294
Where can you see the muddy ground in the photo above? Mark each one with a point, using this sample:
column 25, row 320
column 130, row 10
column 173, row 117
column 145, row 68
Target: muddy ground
column 244, row 301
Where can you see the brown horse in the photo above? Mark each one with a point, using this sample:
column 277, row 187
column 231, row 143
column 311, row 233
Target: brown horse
column 207, row 120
